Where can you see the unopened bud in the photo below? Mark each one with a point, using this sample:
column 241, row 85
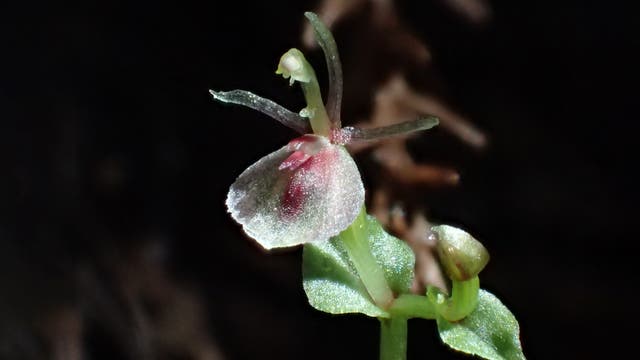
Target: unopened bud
column 461, row 256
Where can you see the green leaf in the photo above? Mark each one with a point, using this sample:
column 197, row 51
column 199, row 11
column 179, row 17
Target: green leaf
column 394, row 256
column 490, row 331
column 332, row 283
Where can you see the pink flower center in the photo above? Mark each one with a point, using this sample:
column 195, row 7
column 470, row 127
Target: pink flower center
column 303, row 149
column 306, row 167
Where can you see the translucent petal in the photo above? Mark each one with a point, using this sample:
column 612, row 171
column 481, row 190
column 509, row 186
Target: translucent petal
column 313, row 202
column 351, row 134
column 265, row 106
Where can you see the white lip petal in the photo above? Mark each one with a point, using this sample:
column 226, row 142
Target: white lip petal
column 327, row 196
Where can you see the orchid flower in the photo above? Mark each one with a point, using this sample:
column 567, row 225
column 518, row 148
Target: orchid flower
column 310, row 189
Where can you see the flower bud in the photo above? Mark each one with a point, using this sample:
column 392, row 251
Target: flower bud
column 461, row 256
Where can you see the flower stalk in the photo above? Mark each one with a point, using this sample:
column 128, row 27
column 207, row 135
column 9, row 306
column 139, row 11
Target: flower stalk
column 413, row 306
column 393, row 338
column 463, row 299
column 354, row 239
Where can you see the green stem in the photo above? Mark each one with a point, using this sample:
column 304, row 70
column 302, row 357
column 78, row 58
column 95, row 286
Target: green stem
column 393, row 338
column 413, row 306
column 355, row 241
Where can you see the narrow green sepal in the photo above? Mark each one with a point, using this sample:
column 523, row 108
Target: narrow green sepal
column 353, row 134
column 334, row 67
column 290, row 119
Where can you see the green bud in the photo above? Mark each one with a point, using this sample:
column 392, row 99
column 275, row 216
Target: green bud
column 461, row 256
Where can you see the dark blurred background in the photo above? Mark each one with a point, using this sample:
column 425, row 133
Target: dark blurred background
column 114, row 237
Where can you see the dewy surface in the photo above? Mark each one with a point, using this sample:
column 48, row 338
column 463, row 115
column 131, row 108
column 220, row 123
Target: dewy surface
column 315, row 201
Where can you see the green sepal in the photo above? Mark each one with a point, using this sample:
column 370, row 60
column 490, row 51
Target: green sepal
column 331, row 281
column 490, row 331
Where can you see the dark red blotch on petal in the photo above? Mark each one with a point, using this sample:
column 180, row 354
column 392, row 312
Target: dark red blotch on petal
column 308, row 171
column 292, row 199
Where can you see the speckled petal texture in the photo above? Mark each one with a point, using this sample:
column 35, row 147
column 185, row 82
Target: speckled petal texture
column 280, row 208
